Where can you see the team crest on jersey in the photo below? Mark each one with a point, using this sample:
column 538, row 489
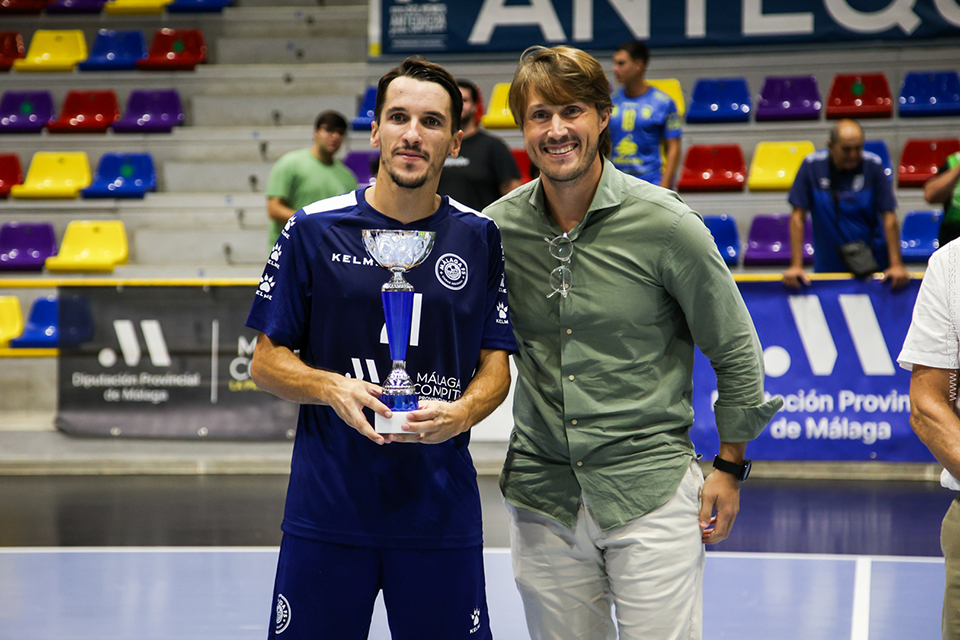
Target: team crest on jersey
column 283, row 615
column 266, row 286
column 452, row 271
column 275, row 253
column 285, row 232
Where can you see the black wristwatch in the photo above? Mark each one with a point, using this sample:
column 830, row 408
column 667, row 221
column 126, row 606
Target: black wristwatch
column 739, row 471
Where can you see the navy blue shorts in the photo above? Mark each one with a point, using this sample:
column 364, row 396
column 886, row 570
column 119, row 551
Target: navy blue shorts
column 327, row 591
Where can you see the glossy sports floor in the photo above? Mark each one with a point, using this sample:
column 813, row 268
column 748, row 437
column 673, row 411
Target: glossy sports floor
column 192, row 557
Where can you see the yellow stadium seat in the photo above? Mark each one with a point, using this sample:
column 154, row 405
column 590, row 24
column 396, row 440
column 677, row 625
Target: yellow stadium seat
column 11, row 320
column 671, row 87
column 135, row 7
column 54, row 175
column 53, row 51
column 91, row 246
column 498, row 115
column 775, row 164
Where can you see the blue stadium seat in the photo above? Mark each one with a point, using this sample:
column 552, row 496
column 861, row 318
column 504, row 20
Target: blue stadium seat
column 198, row 6
column 720, row 100
column 879, row 147
column 726, row 235
column 115, row 51
column 918, row 237
column 40, row 331
column 123, row 175
column 364, row 119
column 930, row 93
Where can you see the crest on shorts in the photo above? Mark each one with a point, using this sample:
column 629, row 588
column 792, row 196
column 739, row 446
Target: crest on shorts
column 283, row 614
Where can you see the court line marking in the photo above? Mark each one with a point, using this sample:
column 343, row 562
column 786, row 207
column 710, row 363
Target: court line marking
column 860, row 623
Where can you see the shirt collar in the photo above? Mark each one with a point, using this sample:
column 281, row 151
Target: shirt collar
column 606, row 198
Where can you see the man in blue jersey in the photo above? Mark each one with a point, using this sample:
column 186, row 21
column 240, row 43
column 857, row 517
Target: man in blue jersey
column 362, row 518
column 642, row 119
column 849, row 199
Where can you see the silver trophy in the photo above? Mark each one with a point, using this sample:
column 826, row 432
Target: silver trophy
column 398, row 251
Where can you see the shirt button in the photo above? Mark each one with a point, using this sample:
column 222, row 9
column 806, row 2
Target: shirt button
column 573, row 422
column 571, row 378
column 569, row 331
column 579, row 464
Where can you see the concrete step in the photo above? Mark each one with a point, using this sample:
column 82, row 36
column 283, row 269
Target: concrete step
column 291, row 50
column 262, row 111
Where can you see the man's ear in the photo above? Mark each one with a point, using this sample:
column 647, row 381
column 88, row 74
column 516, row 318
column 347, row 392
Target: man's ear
column 374, row 135
column 455, row 144
column 604, row 118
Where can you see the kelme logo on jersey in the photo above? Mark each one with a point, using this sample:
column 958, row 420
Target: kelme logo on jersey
column 475, row 620
column 275, row 253
column 285, row 232
column 502, row 314
column 266, row 286
column 283, row 614
column 452, row 271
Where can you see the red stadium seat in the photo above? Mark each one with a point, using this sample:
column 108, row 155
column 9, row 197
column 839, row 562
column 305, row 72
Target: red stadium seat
column 859, row 95
column 86, row 112
column 713, row 167
column 175, row 50
column 10, row 173
column 921, row 159
column 22, row 6
column 11, row 48
column 523, row 163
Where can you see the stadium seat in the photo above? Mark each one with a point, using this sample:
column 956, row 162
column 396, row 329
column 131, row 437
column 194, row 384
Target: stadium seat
column 859, row 95
column 40, row 331
column 76, row 6
column 25, row 111
column 359, row 162
column 86, row 112
column 921, row 159
column 671, row 87
column 930, row 93
column 53, row 51
column 24, row 246
column 768, row 242
column 10, row 173
column 175, row 50
column 91, row 246
column 523, row 163
column 789, row 98
column 918, row 236
column 198, row 6
column 11, row 48
column 498, row 115
column 720, row 100
column 22, row 6
column 775, row 164
column 54, row 175
column 115, row 51
column 123, row 175
column 365, row 114
column 724, row 230
column 879, row 148
column 713, row 167
column 11, row 319
column 135, row 7
column 151, row 111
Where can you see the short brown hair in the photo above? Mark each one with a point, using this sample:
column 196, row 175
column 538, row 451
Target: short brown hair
column 561, row 75
column 419, row 68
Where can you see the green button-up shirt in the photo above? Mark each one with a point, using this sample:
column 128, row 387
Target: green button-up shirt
column 603, row 399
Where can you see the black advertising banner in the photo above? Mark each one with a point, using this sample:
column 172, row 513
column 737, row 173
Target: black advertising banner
column 163, row 362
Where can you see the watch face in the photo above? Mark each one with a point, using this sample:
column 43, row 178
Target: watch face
column 747, row 466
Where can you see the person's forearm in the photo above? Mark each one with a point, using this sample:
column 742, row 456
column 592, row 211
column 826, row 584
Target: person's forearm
column 277, row 370
column 489, row 387
column 278, row 211
column 938, row 428
column 796, row 238
column 734, row 452
column 891, row 229
column 671, row 162
column 939, row 189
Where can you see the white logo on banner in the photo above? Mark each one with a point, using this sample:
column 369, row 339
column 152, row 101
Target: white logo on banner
column 817, row 340
column 130, row 344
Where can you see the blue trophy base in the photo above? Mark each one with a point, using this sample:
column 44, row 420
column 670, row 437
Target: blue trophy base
column 401, row 405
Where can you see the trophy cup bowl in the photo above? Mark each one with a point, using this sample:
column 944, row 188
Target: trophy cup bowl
column 398, row 251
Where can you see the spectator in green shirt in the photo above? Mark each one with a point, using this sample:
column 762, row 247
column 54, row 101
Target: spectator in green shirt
column 304, row 176
column 612, row 282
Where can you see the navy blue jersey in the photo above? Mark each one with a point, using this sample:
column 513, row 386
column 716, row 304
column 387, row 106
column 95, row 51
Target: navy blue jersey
column 863, row 194
column 320, row 293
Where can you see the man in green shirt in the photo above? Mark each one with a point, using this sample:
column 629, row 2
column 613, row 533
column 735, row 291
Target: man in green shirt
column 304, row 176
column 612, row 282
